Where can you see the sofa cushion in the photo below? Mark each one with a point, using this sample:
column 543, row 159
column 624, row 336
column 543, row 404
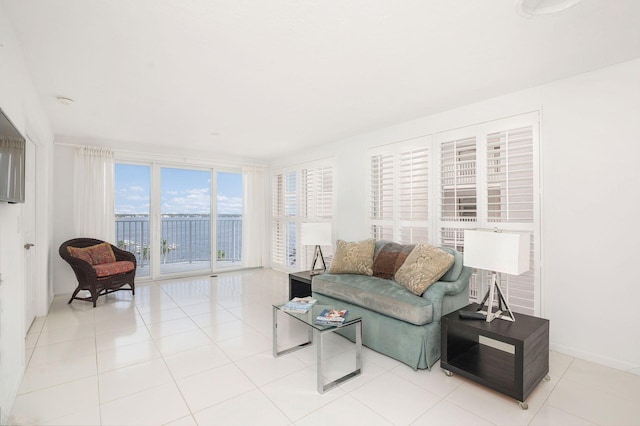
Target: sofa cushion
column 376, row 294
column 389, row 258
column 113, row 268
column 424, row 266
column 353, row 258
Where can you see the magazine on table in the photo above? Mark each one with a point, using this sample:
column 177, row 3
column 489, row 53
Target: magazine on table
column 332, row 317
column 299, row 305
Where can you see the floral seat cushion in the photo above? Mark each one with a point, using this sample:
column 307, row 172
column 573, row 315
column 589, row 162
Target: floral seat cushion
column 113, row 268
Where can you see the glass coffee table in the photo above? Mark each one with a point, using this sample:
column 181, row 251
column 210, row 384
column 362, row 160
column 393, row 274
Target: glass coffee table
column 319, row 331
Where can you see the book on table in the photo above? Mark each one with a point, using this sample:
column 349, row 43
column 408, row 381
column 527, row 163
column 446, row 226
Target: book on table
column 299, row 305
column 332, row 316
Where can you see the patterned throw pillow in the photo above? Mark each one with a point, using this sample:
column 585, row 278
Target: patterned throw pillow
column 102, row 253
column 80, row 253
column 424, row 266
column 94, row 255
column 353, row 258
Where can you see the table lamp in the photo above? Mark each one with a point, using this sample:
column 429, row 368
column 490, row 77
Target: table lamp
column 316, row 234
column 497, row 252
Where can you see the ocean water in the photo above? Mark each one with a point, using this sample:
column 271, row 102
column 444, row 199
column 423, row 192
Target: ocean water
column 183, row 238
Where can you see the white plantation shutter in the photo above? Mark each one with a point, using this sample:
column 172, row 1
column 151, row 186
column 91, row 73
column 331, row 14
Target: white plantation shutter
column 277, row 198
column 283, row 211
column 381, row 168
column 290, row 194
column 277, row 242
column 458, row 195
column 290, row 211
column 381, row 199
column 510, row 199
column 300, row 194
column 399, row 191
column 413, row 183
column 278, row 235
column 510, row 175
column 488, row 179
column 458, row 180
column 317, row 190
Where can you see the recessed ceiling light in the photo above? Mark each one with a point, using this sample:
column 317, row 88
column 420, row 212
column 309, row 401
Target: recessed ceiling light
column 214, row 134
column 64, row 100
column 533, row 8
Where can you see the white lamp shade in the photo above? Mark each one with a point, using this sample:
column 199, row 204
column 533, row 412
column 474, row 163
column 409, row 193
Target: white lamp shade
column 316, row 234
column 506, row 252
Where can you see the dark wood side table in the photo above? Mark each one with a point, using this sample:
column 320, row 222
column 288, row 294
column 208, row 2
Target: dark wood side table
column 299, row 284
column 509, row 357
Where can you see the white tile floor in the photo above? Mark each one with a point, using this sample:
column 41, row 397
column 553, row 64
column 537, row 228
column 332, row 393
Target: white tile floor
column 198, row 351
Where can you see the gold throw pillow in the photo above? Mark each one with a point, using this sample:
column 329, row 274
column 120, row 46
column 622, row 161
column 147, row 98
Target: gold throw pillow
column 424, row 266
column 353, row 258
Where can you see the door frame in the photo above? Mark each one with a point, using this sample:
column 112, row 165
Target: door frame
column 43, row 218
column 30, row 224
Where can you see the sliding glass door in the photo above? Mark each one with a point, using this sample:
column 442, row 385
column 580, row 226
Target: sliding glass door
column 229, row 219
column 185, row 220
column 132, row 211
column 163, row 216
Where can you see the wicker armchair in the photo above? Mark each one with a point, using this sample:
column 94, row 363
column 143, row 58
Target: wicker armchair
column 99, row 277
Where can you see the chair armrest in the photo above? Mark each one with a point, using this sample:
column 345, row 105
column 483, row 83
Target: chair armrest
column 438, row 290
column 123, row 255
column 82, row 269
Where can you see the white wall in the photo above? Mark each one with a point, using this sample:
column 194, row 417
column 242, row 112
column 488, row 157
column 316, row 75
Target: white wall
column 590, row 201
column 18, row 99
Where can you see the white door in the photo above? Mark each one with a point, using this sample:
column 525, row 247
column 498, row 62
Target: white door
column 29, row 235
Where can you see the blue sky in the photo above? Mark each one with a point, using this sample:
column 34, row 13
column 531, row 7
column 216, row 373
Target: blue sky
column 182, row 191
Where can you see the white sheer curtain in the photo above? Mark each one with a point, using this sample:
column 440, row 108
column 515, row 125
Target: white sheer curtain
column 254, row 226
column 93, row 193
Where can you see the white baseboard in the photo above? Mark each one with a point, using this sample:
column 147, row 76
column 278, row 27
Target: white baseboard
column 598, row 359
column 6, row 404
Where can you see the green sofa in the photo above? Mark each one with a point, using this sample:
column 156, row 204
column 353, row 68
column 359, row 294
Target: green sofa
column 396, row 322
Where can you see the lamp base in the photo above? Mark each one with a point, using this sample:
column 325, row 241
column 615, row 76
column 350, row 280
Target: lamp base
column 488, row 298
column 318, row 254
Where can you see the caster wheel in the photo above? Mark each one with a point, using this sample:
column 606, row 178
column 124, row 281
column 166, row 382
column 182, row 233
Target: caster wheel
column 523, row 405
column 547, row 378
column 447, row 373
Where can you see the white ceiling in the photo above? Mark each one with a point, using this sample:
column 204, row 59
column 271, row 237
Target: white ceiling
column 260, row 78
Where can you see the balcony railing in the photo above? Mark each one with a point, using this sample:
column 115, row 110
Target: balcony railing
column 182, row 239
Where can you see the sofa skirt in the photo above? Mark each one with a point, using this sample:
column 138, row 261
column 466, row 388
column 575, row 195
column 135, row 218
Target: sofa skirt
column 418, row 346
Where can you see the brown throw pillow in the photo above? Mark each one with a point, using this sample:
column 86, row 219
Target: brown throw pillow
column 424, row 266
column 389, row 258
column 353, row 258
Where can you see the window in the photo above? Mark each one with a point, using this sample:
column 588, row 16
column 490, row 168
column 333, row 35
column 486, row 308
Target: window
column 399, row 191
column 487, row 177
column 300, row 194
column 163, row 216
column 484, row 176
